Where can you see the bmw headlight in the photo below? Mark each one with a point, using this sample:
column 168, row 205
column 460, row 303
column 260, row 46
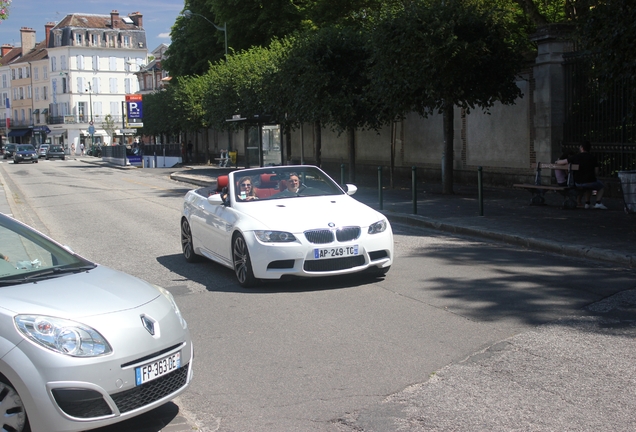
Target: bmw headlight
column 274, row 236
column 377, row 227
column 167, row 294
column 63, row 336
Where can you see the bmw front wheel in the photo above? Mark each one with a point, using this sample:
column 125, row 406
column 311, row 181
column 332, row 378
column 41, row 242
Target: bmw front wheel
column 242, row 262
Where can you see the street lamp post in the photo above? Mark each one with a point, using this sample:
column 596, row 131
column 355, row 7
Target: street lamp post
column 91, row 128
column 188, row 14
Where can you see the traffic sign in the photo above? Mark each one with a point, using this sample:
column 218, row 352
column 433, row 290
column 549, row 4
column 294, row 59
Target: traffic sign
column 91, row 129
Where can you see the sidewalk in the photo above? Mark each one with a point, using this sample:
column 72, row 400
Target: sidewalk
column 602, row 235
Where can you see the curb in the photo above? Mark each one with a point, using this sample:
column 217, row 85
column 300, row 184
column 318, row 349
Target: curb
column 578, row 251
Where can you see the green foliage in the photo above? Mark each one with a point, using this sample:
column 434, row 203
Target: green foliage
column 195, row 42
column 448, row 51
column 109, row 125
column 324, row 78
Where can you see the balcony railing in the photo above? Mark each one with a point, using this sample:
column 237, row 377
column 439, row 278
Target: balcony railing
column 98, row 120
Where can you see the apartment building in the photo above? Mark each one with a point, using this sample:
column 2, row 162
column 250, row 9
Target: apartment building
column 71, row 87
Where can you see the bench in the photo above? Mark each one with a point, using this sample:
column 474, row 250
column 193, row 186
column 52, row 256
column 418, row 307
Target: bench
column 224, row 159
column 538, row 190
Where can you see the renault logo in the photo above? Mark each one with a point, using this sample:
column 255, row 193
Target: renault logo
column 148, row 324
column 331, row 224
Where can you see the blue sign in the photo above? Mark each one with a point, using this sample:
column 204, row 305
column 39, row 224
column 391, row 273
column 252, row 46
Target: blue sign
column 134, row 160
column 135, row 110
column 91, row 129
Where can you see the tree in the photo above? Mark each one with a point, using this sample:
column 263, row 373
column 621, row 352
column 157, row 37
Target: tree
column 608, row 33
column 195, row 42
column 323, row 80
column 431, row 57
column 109, row 126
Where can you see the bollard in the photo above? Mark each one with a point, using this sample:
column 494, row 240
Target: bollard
column 480, row 191
column 380, row 187
column 342, row 174
column 414, row 188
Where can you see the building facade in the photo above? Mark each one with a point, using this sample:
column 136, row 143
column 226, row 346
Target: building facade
column 71, row 87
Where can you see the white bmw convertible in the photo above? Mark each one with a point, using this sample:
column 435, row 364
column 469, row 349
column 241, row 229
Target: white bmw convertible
column 269, row 223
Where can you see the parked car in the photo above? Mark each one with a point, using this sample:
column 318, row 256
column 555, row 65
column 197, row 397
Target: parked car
column 82, row 345
column 55, row 151
column 25, row 153
column 9, row 149
column 314, row 229
column 42, row 149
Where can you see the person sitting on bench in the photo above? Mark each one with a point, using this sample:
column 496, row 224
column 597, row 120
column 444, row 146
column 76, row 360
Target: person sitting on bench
column 585, row 177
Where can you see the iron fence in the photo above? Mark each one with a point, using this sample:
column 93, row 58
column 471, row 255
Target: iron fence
column 598, row 114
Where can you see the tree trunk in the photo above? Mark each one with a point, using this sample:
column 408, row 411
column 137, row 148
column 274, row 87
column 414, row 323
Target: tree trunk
column 449, row 134
column 317, row 143
column 351, row 143
column 288, row 145
column 206, row 140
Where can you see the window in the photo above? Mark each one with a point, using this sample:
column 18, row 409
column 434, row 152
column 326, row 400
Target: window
column 63, row 64
column 45, row 93
column 78, row 39
column 127, row 64
column 27, row 72
column 4, row 81
column 21, row 92
column 113, row 85
column 114, row 108
column 112, row 63
column 23, row 116
column 81, row 85
column 36, row 73
column 96, row 85
column 37, row 94
column 45, row 72
column 12, row 74
column 82, row 112
column 95, row 62
column 5, row 100
column 30, row 116
column 94, row 40
column 53, row 64
column 29, row 92
column 19, row 73
column 80, row 62
column 127, row 86
column 15, row 93
column 127, row 41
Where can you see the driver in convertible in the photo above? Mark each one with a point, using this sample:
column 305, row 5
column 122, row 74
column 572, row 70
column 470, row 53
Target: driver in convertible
column 293, row 187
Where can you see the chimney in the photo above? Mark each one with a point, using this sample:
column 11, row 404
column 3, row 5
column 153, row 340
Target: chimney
column 137, row 19
column 27, row 37
column 5, row 48
column 114, row 19
column 47, row 32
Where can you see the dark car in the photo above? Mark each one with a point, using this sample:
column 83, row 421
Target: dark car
column 55, row 151
column 9, row 149
column 25, row 153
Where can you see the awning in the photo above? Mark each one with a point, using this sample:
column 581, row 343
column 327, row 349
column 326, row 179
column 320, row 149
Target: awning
column 37, row 111
column 18, row 132
column 45, row 110
column 56, row 132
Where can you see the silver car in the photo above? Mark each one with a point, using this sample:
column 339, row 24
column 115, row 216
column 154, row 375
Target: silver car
column 81, row 345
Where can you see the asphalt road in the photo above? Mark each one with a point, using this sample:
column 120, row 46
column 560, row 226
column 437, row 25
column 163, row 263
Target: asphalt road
column 460, row 335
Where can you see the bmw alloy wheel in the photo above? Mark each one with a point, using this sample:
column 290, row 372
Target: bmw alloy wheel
column 242, row 263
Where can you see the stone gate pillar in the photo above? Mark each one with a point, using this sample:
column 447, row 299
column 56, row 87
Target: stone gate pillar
column 548, row 113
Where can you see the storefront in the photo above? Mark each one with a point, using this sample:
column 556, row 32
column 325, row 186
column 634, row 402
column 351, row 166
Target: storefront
column 20, row 136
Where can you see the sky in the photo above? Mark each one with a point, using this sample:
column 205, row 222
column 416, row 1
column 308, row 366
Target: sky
column 158, row 16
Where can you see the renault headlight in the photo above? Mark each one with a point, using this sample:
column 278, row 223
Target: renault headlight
column 63, row 336
column 378, row 227
column 167, row 294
